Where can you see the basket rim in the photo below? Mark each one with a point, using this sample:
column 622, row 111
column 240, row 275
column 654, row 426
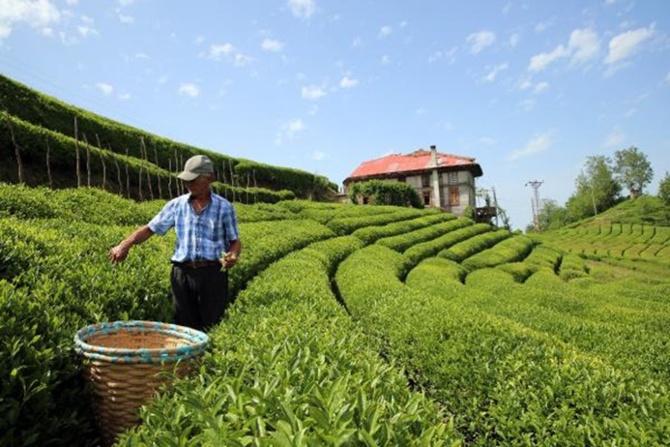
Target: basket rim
column 198, row 341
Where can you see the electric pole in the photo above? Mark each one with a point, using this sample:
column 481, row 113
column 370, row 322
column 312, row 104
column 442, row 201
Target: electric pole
column 535, row 201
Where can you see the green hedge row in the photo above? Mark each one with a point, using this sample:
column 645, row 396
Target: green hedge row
column 513, row 249
column 370, row 234
column 122, row 172
column 94, row 205
column 469, row 247
column 431, row 248
column 385, row 192
column 289, row 367
column 402, row 242
column 50, row 113
column 347, row 225
column 55, row 279
column 504, row 383
column 434, row 273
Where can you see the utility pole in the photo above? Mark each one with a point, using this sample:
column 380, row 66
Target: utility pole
column 495, row 203
column 535, row 202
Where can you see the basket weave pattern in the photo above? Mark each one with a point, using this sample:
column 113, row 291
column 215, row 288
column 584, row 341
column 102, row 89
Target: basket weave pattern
column 126, row 362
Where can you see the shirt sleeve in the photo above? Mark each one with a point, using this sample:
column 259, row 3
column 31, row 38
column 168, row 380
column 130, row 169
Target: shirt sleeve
column 230, row 224
column 164, row 220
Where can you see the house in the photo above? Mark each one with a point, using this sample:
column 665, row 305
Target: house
column 442, row 180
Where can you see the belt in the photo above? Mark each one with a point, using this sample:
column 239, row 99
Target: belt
column 197, row 264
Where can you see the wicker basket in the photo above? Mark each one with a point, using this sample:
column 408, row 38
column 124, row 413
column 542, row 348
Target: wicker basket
column 126, row 361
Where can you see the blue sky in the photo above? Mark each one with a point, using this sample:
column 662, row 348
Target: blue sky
column 527, row 88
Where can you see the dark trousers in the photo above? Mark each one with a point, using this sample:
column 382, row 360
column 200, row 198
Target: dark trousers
column 200, row 295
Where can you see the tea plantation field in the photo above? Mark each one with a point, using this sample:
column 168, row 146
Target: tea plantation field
column 353, row 325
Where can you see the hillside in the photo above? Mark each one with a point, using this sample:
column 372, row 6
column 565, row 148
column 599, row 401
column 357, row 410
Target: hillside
column 645, row 210
column 121, row 158
column 353, row 325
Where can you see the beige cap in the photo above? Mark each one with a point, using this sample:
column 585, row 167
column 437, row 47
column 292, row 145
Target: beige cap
column 196, row 166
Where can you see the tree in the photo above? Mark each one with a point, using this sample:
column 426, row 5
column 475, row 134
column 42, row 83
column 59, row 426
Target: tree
column 597, row 190
column 633, row 170
column 664, row 189
column 552, row 215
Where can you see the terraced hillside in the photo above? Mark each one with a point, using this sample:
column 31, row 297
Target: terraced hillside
column 44, row 141
column 353, row 325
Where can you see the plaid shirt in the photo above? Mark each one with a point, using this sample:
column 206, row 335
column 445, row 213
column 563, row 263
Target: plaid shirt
column 203, row 236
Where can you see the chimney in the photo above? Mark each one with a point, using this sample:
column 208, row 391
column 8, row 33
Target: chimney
column 433, row 155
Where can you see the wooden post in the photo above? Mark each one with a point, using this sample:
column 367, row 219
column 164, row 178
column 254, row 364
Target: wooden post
column 51, row 183
column 88, row 160
column 143, row 150
column 232, row 179
column 160, row 192
column 170, row 178
column 102, row 160
column 17, row 151
column 127, row 176
column 255, row 186
column 223, row 171
column 248, row 184
column 76, row 147
column 176, row 166
column 118, row 171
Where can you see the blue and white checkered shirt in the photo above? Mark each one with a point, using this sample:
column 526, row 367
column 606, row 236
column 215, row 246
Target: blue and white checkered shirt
column 203, row 236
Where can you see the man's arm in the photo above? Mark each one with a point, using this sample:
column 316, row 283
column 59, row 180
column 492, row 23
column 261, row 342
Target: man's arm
column 120, row 252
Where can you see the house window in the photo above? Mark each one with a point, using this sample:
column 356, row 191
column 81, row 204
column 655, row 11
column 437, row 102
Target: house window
column 426, row 198
column 454, row 196
column 425, row 180
column 452, row 178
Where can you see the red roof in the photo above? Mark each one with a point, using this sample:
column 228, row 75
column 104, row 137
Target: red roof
column 419, row 160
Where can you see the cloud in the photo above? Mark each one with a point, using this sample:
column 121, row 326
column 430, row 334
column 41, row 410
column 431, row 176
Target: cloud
column 540, row 87
column 71, row 2
column 542, row 26
column 357, row 42
column 216, row 51
column 385, row 60
column 449, row 55
column 86, row 30
column 614, row 139
column 385, row 31
column 272, row 45
column 480, row 40
column 491, row 76
column 312, row 92
column 38, row 14
column 124, row 96
column 514, row 40
column 289, row 130
column 667, row 78
column 624, row 45
column 318, row 155
column 126, row 19
column 539, row 143
column 303, row 9
column 582, row 46
column 348, row 82
column 189, row 89
column 540, row 61
column 105, row 89
column 126, row 2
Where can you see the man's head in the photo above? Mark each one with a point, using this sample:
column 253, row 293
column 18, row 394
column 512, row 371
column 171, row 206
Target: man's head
column 198, row 174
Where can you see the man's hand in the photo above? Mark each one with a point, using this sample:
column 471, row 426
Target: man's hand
column 229, row 259
column 119, row 253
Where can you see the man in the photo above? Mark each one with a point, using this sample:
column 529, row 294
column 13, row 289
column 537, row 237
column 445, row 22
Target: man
column 206, row 227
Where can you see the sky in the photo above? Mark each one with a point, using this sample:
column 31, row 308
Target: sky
column 528, row 88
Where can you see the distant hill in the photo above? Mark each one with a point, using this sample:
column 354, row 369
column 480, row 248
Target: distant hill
column 645, row 210
column 121, row 158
